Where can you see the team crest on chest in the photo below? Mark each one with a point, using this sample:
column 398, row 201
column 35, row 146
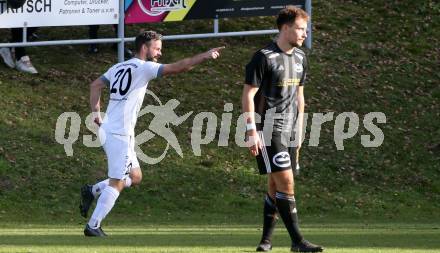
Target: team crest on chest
column 298, row 67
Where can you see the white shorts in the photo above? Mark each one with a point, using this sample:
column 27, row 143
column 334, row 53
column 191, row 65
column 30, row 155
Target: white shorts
column 121, row 156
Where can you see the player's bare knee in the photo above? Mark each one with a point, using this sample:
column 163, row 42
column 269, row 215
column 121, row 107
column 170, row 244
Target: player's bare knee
column 135, row 180
column 136, row 176
column 118, row 184
column 285, row 185
column 283, row 179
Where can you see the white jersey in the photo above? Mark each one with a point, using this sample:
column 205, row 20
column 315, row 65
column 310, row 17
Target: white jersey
column 128, row 83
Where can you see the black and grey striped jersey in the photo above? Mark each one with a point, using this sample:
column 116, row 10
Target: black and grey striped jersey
column 277, row 76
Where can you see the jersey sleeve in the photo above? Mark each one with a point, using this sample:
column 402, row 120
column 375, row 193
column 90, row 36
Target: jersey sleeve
column 256, row 69
column 106, row 77
column 153, row 70
column 305, row 70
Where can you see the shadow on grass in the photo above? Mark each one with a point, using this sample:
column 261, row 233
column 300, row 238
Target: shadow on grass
column 414, row 239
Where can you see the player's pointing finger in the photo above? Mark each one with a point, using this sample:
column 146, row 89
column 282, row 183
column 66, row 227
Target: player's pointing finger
column 219, row 48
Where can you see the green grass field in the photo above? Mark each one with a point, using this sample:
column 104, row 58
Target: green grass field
column 359, row 63
column 367, row 56
column 356, row 238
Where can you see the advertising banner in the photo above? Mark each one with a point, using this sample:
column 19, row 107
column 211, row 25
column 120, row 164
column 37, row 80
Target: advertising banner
column 36, row 13
column 147, row 11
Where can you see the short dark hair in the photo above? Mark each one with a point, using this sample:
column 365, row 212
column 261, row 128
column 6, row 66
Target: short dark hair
column 289, row 14
column 145, row 37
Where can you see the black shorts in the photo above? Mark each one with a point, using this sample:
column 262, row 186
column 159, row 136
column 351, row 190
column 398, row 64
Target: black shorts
column 277, row 156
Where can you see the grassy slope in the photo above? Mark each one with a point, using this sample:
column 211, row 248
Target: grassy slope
column 367, row 56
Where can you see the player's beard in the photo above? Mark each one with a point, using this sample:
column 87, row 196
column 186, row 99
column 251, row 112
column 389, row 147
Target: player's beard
column 150, row 58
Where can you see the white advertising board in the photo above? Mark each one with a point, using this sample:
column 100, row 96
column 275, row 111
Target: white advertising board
column 37, row 13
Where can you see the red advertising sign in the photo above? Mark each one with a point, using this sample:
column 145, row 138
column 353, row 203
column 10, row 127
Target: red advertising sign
column 145, row 11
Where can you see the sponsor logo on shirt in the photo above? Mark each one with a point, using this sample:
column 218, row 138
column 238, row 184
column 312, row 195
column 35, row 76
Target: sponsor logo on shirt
column 289, row 82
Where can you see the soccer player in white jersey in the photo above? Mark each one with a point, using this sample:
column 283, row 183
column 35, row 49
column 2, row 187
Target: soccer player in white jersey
column 127, row 82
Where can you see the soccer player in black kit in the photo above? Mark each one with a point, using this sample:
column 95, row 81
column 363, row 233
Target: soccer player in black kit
column 274, row 90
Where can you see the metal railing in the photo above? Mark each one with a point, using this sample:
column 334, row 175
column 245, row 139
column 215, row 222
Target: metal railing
column 121, row 35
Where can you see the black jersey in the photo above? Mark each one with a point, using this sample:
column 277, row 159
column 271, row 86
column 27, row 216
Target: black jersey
column 277, row 75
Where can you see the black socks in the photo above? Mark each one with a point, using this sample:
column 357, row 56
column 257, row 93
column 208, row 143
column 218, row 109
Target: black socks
column 269, row 219
column 287, row 209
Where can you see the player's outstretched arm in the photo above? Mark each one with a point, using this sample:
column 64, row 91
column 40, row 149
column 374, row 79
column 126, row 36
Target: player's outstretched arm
column 95, row 95
column 188, row 63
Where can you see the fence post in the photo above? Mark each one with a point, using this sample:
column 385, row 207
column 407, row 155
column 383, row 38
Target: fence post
column 216, row 25
column 25, row 32
column 121, row 32
column 308, row 7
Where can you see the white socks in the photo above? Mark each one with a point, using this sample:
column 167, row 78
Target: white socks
column 127, row 182
column 104, row 205
column 107, row 196
column 99, row 187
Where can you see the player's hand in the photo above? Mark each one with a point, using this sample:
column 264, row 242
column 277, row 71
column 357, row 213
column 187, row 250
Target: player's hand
column 214, row 53
column 253, row 141
column 97, row 118
column 98, row 121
